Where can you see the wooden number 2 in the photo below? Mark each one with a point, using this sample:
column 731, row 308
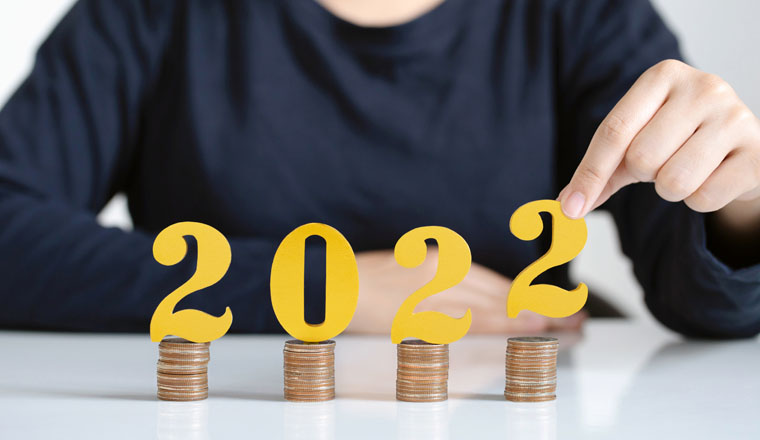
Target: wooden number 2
column 568, row 239
column 341, row 283
column 214, row 256
column 454, row 260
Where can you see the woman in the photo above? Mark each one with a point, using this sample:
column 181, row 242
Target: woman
column 374, row 117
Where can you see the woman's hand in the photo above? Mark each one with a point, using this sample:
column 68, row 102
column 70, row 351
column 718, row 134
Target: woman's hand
column 385, row 285
column 683, row 129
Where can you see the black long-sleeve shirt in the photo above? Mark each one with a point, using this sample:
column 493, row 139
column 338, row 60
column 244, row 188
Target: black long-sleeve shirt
column 258, row 116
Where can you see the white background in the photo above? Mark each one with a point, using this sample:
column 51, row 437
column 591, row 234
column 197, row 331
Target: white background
column 719, row 37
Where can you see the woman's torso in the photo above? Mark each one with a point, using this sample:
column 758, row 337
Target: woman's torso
column 268, row 115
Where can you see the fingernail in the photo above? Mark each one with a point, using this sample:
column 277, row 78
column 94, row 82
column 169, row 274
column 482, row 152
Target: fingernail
column 573, row 205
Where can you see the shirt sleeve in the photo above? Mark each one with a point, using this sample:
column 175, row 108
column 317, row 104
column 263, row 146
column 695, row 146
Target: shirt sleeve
column 67, row 139
column 604, row 46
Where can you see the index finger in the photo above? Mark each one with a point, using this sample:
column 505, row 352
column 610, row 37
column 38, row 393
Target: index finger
column 612, row 138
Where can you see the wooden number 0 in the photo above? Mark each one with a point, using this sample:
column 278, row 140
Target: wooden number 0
column 454, row 260
column 568, row 239
column 214, row 256
column 341, row 283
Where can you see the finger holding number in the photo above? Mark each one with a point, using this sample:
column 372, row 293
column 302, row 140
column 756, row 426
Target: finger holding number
column 685, row 130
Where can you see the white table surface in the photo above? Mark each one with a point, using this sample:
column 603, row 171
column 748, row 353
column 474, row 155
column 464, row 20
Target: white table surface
column 616, row 380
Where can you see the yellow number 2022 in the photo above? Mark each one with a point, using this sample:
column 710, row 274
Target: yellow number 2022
column 214, row 256
column 568, row 238
column 454, row 261
column 341, row 283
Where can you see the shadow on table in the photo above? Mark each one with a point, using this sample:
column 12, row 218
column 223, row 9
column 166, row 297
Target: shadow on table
column 476, row 396
column 363, row 395
column 83, row 394
column 278, row 397
column 245, row 395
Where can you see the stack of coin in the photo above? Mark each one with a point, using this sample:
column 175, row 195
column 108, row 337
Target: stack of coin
column 309, row 370
column 531, row 367
column 423, row 371
column 182, row 370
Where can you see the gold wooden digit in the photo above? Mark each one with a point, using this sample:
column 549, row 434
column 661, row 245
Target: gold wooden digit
column 454, row 260
column 214, row 256
column 568, row 238
column 341, row 283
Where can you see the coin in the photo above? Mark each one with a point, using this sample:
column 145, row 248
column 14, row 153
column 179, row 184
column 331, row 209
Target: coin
column 530, row 397
column 181, row 396
column 422, row 371
column 182, row 370
column 422, row 397
column 309, row 371
column 531, row 369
